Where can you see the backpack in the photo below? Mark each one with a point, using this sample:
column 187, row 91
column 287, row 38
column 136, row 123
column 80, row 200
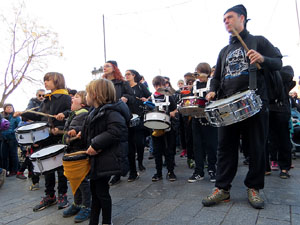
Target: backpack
column 275, row 87
column 279, row 83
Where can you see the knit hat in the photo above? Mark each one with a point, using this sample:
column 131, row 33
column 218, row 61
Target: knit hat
column 240, row 9
column 112, row 62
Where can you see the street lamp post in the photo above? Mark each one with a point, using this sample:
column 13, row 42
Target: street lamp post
column 95, row 72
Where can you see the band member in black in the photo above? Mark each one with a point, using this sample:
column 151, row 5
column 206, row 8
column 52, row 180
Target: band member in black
column 136, row 130
column 234, row 65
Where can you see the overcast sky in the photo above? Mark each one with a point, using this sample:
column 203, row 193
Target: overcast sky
column 166, row 37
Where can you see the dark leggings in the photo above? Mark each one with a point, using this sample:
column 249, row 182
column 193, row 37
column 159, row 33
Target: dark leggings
column 100, row 200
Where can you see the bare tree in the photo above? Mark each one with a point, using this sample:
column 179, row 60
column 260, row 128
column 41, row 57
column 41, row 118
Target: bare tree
column 28, row 47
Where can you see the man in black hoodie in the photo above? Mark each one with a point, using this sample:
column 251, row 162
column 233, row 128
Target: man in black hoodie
column 231, row 76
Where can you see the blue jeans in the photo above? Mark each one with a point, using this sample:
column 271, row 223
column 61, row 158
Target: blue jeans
column 9, row 154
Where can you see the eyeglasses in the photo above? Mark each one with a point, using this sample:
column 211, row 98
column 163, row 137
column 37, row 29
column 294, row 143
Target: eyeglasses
column 128, row 74
column 42, row 96
column 107, row 66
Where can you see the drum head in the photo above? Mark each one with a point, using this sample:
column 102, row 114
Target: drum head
column 48, row 151
column 32, row 126
column 156, row 124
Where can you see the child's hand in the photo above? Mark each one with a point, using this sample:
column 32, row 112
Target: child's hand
column 54, row 131
column 16, row 114
column 72, row 133
column 60, row 116
column 91, row 151
column 124, row 99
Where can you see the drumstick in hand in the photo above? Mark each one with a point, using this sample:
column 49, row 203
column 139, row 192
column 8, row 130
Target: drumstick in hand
column 243, row 43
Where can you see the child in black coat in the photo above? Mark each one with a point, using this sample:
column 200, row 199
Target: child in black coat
column 74, row 122
column 104, row 129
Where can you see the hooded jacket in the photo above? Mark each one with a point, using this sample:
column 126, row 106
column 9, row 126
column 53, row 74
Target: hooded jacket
column 105, row 129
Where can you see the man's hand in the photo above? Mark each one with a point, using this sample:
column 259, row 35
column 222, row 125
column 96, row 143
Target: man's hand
column 255, row 57
column 210, row 95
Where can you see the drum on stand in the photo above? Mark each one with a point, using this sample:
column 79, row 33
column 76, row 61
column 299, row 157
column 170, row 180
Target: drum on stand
column 233, row 109
column 32, row 133
column 48, row 159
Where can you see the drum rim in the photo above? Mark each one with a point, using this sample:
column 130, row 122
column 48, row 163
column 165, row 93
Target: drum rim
column 77, row 157
column 193, row 97
column 35, row 129
column 49, row 155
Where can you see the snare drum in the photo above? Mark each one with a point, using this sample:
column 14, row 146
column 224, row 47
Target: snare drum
column 192, row 106
column 135, row 120
column 234, row 109
column 157, row 120
column 32, row 133
column 47, row 159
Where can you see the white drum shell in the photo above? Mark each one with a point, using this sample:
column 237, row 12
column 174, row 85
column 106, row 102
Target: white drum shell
column 234, row 109
column 48, row 158
column 32, row 133
column 157, row 120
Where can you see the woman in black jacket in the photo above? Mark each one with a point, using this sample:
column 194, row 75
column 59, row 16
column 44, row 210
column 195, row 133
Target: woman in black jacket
column 136, row 131
column 103, row 133
column 125, row 93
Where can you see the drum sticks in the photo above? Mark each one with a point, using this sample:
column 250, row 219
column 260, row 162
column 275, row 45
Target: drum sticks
column 39, row 113
column 243, row 43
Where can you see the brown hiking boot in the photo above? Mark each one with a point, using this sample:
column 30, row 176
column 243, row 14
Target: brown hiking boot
column 218, row 195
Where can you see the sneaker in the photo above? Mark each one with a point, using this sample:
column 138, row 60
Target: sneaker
column 34, row 187
column 284, row 175
column 191, row 163
column 83, row 215
column 21, row 176
column 133, row 177
column 183, row 153
column 156, row 177
column 218, row 195
column 141, row 167
column 254, row 199
column 195, row 177
column 212, row 175
column 71, row 211
column 45, row 203
column 150, row 155
column 267, row 173
column 115, row 180
column 171, row 176
column 274, row 166
column 2, row 177
column 62, row 201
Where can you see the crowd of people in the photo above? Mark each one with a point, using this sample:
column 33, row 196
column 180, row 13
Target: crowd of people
column 109, row 119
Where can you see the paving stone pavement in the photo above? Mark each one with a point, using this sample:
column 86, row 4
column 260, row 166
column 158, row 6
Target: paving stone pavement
column 144, row 202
